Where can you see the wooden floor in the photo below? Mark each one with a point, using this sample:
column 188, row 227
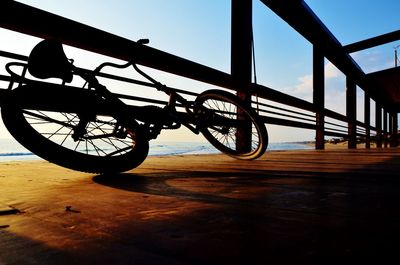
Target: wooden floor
column 290, row 207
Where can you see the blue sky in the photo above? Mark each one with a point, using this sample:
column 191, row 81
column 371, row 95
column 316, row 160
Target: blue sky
column 199, row 30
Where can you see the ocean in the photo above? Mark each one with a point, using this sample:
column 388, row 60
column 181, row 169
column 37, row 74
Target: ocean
column 11, row 150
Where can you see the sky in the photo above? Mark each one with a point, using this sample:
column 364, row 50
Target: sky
column 199, row 30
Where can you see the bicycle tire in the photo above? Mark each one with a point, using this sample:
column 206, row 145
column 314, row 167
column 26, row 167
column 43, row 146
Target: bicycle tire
column 41, row 132
column 227, row 105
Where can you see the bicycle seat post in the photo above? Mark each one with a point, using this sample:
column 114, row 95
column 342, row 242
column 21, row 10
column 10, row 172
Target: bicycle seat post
column 172, row 100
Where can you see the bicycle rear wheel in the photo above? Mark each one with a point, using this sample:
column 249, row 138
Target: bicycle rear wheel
column 230, row 126
column 106, row 146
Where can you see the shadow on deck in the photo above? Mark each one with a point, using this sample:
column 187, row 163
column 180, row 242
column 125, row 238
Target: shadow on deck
column 319, row 207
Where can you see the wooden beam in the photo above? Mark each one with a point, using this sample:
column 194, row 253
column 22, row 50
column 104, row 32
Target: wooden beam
column 378, row 124
column 372, row 42
column 319, row 95
column 15, row 16
column 301, row 18
column 367, row 120
column 395, row 130
column 241, row 44
column 351, row 112
column 385, row 128
column 241, row 61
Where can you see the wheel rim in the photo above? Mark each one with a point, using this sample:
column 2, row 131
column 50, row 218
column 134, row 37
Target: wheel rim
column 99, row 140
column 225, row 137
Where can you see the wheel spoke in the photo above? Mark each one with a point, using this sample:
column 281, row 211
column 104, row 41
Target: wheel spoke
column 48, row 119
column 225, row 116
column 98, row 140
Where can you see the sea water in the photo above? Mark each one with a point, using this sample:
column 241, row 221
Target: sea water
column 11, row 150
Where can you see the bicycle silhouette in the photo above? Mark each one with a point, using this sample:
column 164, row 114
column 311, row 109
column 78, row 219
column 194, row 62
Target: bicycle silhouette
column 91, row 129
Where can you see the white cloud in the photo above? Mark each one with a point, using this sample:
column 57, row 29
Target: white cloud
column 305, row 84
column 304, row 87
column 331, row 71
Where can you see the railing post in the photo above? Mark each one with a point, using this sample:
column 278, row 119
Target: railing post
column 351, row 112
column 378, row 124
column 385, row 128
column 390, row 125
column 319, row 96
column 395, row 130
column 241, row 59
column 367, row 120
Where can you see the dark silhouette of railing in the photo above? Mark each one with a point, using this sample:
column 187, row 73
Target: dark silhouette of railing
column 295, row 113
column 292, row 112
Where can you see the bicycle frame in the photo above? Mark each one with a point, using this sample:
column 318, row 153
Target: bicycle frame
column 154, row 118
column 59, row 97
column 92, row 129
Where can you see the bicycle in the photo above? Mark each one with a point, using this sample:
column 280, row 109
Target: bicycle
column 91, row 129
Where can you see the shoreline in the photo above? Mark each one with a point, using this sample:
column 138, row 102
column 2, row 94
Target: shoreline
column 18, row 153
column 328, row 146
column 276, row 147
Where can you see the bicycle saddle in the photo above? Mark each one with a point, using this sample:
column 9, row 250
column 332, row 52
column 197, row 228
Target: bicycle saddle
column 47, row 59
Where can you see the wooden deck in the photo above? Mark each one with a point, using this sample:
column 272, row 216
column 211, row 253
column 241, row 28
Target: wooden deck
column 291, row 207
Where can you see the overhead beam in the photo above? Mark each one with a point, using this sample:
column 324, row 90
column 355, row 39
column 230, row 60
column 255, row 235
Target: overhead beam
column 25, row 19
column 13, row 16
column 372, row 42
column 301, row 18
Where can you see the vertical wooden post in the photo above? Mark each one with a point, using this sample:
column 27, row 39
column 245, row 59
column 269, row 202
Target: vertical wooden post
column 241, row 44
column 395, row 130
column 385, row 128
column 367, row 120
column 241, row 60
column 390, row 125
column 351, row 112
column 392, row 129
column 378, row 124
column 319, row 96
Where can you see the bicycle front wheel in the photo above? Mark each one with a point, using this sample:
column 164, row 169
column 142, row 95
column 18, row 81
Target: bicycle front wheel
column 230, row 126
column 106, row 147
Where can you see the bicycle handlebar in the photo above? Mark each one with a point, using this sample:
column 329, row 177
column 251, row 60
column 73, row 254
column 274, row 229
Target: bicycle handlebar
column 143, row 41
column 137, row 69
column 120, row 66
column 159, row 86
